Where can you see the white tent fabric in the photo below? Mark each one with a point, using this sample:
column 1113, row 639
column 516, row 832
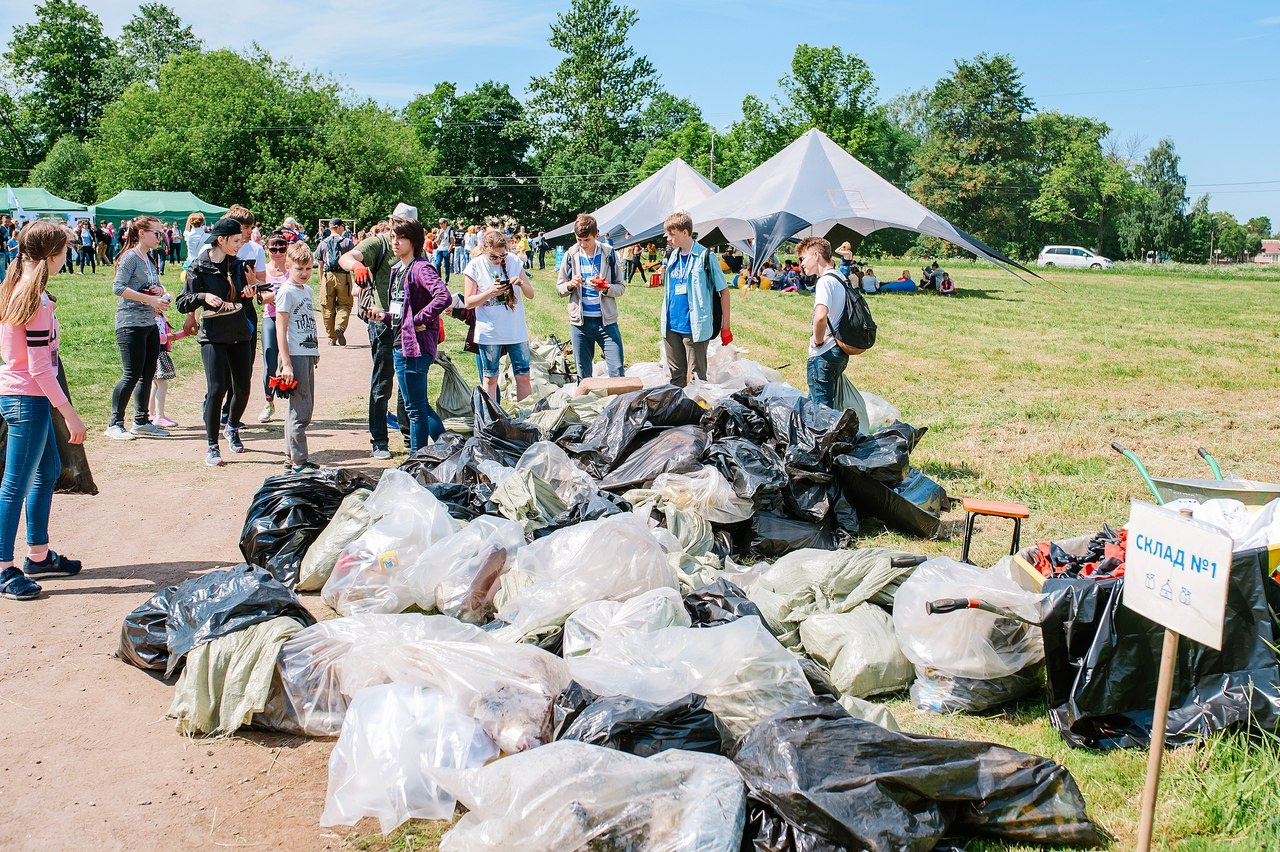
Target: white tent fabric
column 813, row 187
column 675, row 186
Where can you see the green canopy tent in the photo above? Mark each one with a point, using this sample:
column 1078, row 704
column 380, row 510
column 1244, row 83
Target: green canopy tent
column 166, row 206
column 32, row 202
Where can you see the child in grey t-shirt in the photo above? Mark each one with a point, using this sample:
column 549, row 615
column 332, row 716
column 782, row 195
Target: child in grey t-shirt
column 299, row 353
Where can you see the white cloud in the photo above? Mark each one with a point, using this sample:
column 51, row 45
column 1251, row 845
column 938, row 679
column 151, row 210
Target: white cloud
column 1274, row 20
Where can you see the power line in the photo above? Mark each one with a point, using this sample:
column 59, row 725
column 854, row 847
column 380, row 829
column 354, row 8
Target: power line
column 1163, row 88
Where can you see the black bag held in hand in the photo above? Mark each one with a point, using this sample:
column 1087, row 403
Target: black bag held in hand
column 855, row 330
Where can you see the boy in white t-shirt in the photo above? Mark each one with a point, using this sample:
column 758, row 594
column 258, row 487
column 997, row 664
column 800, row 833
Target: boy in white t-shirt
column 496, row 288
column 827, row 361
column 299, row 354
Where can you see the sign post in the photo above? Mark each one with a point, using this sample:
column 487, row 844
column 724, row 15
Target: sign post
column 1176, row 574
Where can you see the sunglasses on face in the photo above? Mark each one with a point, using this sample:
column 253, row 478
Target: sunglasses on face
column 496, row 258
column 276, row 249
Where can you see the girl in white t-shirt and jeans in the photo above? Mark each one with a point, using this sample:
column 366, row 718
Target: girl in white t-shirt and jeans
column 496, row 288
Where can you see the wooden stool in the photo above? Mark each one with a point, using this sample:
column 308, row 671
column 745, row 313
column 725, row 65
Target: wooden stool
column 995, row 509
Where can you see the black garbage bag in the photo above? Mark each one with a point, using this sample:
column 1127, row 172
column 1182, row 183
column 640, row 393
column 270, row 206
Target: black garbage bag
column 287, row 515
column 771, row 535
column 804, row 433
column 754, row 470
column 600, row 504
column 633, row 419
column 75, row 476
column 719, row 603
column 422, row 464
column 729, row 418
column 509, row 438
column 202, row 609
column 844, row 783
column 677, row 450
column 884, row 457
column 923, row 492
column 568, row 705
column 644, row 728
column 877, row 499
column 1103, row 659
column 817, row 678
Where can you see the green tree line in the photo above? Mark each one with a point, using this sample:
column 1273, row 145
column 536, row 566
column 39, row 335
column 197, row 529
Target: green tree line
column 86, row 115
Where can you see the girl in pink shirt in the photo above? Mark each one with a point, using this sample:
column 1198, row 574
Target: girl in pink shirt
column 29, row 391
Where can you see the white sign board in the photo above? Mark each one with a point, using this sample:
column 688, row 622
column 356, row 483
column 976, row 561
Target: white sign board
column 1176, row 572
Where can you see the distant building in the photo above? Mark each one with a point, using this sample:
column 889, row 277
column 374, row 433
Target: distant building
column 1270, row 252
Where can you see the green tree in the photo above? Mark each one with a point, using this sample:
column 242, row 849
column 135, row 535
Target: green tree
column 1200, row 233
column 477, row 145
column 909, row 112
column 62, row 60
column 673, row 127
column 588, row 112
column 1259, row 225
column 154, row 35
column 1156, row 219
column 975, row 166
column 67, row 171
column 21, row 144
column 1080, row 186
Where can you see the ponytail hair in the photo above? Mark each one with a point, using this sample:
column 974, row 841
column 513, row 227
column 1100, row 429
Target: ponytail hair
column 37, row 242
column 133, row 233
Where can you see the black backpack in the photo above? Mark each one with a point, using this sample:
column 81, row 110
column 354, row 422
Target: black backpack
column 854, row 330
column 717, row 310
column 335, row 250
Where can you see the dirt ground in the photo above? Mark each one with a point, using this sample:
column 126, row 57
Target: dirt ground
column 83, row 736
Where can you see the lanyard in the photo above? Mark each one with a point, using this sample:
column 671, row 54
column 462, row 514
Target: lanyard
column 683, row 266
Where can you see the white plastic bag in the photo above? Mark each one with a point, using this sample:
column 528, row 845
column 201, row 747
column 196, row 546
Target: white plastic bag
column 393, row 734
column 347, row 524
column 465, row 568
column 613, row 558
column 741, row 669
column 372, row 573
column 572, row 795
column 547, row 460
column 858, row 649
column 970, row 643
column 652, row 373
column 706, row 493
column 605, row 619
column 880, row 412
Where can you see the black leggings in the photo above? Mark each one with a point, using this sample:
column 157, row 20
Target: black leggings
column 139, row 349
column 88, row 257
column 228, row 368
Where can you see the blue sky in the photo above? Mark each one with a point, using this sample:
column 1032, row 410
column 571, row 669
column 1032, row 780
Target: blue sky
column 1205, row 74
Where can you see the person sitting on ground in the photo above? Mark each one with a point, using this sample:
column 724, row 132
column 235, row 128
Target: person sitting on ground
column 870, row 284
column 946, row 286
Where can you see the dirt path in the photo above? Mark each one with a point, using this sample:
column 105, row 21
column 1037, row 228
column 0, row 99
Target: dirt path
column 89, row 759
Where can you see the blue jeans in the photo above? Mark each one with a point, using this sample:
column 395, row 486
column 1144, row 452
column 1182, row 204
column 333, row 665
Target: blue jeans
column 270, row 353
column 586, row 336
column 31, row 468
column 442, row 263
column 823, row 371
column 490, row 356
column 411, row 374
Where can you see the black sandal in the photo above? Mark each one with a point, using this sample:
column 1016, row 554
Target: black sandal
column 54, row 565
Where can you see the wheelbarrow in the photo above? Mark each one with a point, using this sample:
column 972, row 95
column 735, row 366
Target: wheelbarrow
column 1166, row 489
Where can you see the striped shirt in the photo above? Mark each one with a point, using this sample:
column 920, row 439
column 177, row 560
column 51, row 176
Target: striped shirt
column 30, row 355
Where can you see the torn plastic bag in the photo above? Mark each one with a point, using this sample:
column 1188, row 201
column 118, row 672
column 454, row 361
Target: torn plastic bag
column 730, row 418
column 740, row 668
column 201, row 609
column 455, row 394
column 611, row 559
column 1103, row 659
column 572, row 484
column 571, row 795
column 507, row 437
column 392, row 736
column 630, row 421
column 74, row 477
column 643, row 613
column 754, row 470
column 376, row 571
column 643, row 728
column 719, row 603
column 706, row 493
column 843, row 783
column 349, row 522
column 935, row 691
column 469, row 565
column 859, row 650
column 288, row 513
column 674, row 451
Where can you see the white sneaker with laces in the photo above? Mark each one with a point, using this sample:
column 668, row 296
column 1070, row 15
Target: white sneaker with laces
column 118, row 433
column 268, row 411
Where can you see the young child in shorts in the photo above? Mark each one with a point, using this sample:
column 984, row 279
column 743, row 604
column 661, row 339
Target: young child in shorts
column 299, row 354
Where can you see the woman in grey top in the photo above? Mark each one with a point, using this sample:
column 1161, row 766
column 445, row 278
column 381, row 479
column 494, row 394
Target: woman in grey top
column 137, row 283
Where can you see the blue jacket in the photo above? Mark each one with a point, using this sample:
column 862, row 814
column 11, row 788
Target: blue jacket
column 699, row 291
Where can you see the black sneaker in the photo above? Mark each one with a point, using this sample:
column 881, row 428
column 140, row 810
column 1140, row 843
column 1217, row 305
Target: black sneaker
column 341, row 336
column 233, row 438
column 18, row 586
column 54, row 565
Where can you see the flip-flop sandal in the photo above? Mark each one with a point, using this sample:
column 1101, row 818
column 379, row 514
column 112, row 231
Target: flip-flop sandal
column 54, row 565
column 17, row 586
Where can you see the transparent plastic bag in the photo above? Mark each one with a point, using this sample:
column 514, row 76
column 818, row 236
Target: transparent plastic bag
column 372, row 572
column 881, row 414
column 652, row 373
column 614, row 558
column 740, row 668
column 706, row 493
column 571, row 483
column 392, row 735
column 643, row 613
column 858, row 649
column 349, row 522
column 572, row 795
column 469, row 566
column 970, row 643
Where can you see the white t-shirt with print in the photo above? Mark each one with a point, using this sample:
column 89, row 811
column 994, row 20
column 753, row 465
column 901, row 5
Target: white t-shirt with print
column 830, row 292
column 495, row 322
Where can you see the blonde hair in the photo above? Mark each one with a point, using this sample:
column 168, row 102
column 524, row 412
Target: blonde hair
column 495, row 240
column 817, row 244
column 678, row 222
column 37, row 242
column 298, row 254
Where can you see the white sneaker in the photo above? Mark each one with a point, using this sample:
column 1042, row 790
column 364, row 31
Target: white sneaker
column 149, row 430
column 118, row 433
column 267, row 411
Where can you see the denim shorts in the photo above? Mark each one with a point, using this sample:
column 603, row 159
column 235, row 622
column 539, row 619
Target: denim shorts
column 491, row 354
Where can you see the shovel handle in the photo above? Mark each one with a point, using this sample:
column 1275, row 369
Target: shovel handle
column 949, row 605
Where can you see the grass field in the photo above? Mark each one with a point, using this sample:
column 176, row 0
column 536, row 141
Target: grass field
column 1023, row 390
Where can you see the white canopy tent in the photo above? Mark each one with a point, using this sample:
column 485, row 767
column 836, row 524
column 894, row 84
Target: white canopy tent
column 813, row 187
column 675, row 186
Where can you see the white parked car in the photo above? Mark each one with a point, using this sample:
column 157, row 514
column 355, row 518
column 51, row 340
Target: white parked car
column 1072, row 256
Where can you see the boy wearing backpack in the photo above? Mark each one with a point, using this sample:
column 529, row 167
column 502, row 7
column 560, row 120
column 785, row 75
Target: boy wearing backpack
column 695, row 301
column 842, row 325
column 336, row 295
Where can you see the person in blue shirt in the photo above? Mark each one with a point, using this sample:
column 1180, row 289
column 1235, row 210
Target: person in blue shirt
column 691, row 280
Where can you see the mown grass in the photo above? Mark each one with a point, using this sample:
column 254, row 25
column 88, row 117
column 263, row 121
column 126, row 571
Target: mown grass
column 1023, row 390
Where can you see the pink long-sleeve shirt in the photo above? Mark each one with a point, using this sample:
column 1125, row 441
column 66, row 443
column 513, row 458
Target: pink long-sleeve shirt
column 30, row 355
